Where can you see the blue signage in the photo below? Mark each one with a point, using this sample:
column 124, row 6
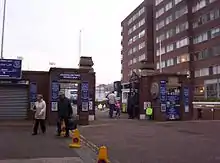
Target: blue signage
column 70, row 76
column 55, row 88
column 163, row 95
column 33, row 92
column 10, row 69
column 85, row 91
column 186, row 98
column 172, row 107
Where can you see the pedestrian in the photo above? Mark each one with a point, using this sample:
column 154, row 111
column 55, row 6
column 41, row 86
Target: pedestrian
column 118, row 109
column 112, row 101
column 64, row 113
column 40, row 115
column 149, row 113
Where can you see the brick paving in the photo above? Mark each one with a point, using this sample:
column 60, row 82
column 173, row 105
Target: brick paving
column 133, row 141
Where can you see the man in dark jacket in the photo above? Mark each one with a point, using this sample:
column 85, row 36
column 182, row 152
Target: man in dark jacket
column 64, row 113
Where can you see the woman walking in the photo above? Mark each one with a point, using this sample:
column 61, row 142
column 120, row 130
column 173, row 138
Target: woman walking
column 40, row 115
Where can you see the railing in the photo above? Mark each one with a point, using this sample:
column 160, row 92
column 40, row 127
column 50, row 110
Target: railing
column 207, row 110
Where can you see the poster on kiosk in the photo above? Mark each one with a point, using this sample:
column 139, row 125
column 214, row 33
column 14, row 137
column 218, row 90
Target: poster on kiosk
column 170, row 101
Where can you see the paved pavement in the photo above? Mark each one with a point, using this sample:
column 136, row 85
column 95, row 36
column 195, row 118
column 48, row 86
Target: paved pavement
column 130, row 141
column 17, row 145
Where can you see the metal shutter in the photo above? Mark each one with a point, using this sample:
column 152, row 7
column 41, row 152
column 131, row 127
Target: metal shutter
column 13, row 102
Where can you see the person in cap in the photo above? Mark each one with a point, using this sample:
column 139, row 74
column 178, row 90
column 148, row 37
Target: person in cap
column 40, row 115
column 64, row 113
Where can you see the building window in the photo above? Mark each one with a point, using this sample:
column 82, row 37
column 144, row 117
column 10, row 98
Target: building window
column 214, row 14
column 141, row 11
column 216, row 50
column 163, row 64
column 204, row 72
column 160, row 38
column 182, row 43
column 183, row 58
column 141, row 57
column 130, row 62
column 168, row 6
column 216, row 70
column 130, row 41
column 134, row 49
column 158, row 65
column 141, row 45
column 170, row 62
column 142, row 22
column 141, row 34
column 169, row 19
column 199, row 5
column 182, row 27
column 160, row 25
column 129, row 31
column 134, row 38
column 202, row 54
column 161, row 51
column 130, row 52
column 215, row 32
column 211, row 90
column 177, row 1
column 170, row 33
column 181, row 12
column 201, row 38
column 159, row 12
column 134, row 60
column 157, row 2
column 170, row 48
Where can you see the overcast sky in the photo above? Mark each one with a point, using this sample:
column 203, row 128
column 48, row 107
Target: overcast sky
column 43, row 31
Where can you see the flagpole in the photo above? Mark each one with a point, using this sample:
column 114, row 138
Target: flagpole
column 3, row 29
column 80, row 43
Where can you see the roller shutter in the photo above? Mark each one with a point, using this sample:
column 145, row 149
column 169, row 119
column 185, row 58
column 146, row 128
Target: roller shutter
column 13, row 102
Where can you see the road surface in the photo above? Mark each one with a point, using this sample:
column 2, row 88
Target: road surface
column 130, row 141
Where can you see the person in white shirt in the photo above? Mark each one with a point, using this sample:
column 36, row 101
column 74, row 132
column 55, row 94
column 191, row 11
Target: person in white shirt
column 111, row 101
column 40, row 115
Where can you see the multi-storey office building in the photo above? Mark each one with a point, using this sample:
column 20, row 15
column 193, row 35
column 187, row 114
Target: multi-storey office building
column 187, row 38
column 137, row 39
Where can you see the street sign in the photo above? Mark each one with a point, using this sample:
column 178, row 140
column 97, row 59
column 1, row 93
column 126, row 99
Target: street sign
column 10, row 69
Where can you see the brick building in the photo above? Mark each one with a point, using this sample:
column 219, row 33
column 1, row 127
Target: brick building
column 137, row 39
column 186, row 36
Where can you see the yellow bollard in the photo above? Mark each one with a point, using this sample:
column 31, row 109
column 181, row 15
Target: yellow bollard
column 75, row 139
column 103, row 155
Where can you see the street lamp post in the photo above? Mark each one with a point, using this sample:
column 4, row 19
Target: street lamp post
column 3, row 29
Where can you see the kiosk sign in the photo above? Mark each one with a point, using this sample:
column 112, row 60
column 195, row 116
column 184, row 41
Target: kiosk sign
column 10, row 69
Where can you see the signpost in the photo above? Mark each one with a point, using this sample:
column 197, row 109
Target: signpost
column 10, row 69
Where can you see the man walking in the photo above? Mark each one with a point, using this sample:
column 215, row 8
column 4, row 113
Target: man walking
column 111, row 101
column 64, row 113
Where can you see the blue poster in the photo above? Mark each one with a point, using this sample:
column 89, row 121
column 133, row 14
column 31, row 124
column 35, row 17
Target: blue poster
column 186, row 98
column 55, row 88
column 163, row 95
column 10, row 69
column 33, row 92
column 85, row 91
column 172, row 107
column 85, row 96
